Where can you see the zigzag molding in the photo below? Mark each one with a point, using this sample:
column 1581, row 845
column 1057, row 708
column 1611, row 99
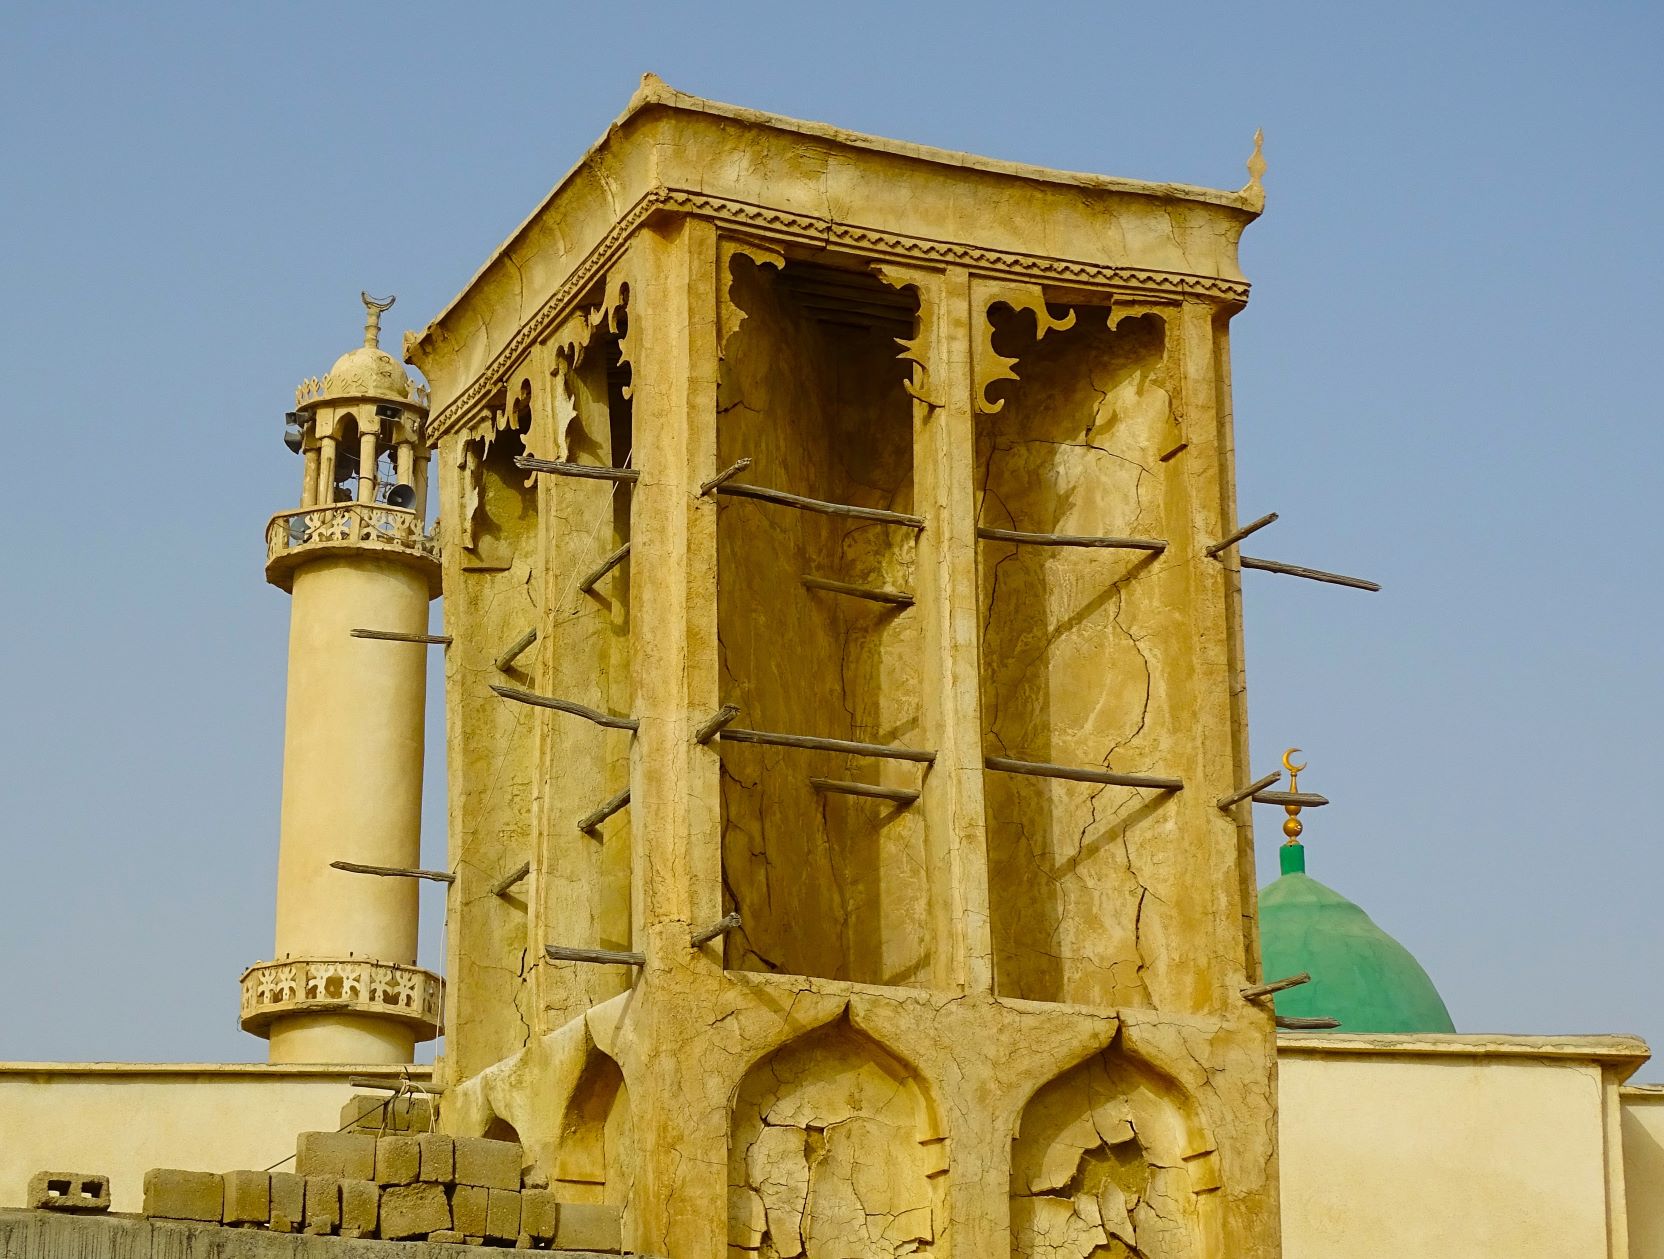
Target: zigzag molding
column 799, row 228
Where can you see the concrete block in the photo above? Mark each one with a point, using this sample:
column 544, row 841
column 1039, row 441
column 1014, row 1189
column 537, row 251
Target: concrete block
column 360, row 1202
column 539, row 1213
column 288, row 1192
column 469, row 1204
column 447, row 1236
column 398, row 1160
column 438, row 1157
column 69, row 1191
column 414, row 1211
column 344, row 1155
column 502, row 1214
column 378, row 1113
column 487, row 1163
column 589, row 1226
column 323, row 1205
column 177, row 1195
column 248, row 1197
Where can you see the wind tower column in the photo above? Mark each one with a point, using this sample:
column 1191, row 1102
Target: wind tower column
column 356, row 556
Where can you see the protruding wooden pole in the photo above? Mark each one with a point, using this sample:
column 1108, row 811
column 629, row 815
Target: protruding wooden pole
column 605, row 957
column 514, row 650
column 1276, row 985
column 783, row 499
column 859, row 592
column 1305, row 799
column 1243, row 793
column 395, row 872
column 590, row 821
column 1290, row 1024
column 813, row 743
column 1310, row 574
column 1072, row 539
column 900, row 795
column 715, row 723
column 1231, row 539
column 1074, row 773
column 601, row 570
column 392, row 636
column 721, row 927
column 586, row 471
column 511, row 878
column 726, row 475
column 565, row 706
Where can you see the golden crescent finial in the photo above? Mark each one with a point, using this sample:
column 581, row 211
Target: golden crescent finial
column 1293, row 826
column 1288, row 762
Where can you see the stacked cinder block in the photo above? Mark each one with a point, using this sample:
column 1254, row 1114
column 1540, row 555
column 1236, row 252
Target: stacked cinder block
column 400, row 1186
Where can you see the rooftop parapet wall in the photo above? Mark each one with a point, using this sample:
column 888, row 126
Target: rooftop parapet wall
column 669, row 152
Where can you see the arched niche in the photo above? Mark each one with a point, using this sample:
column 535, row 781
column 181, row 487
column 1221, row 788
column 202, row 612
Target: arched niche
column 1111, row 1161
column 591, row 1161
column 833, row 1153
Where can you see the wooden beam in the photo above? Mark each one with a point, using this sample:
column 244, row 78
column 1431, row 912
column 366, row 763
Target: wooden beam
column 390, row 636
column 511, row 878
column 605, row 957
column 590, row 821
column 726, row 475
column 721, row 927
column 715, row 723
column 519, row 645
column 1231, row 539
column 1276, row 985
column 1043, row 769
column 901, row 795
column 1305, row 799
column 1071, row 539
column 566, row 706
column 587, row 471
column 859, row 592
column 1306, row 1025
column 1242, row 793
column 394, row 872
column 813, row 743
column 1310, row 574
column 606, row 566
column 391, row 1086
column 814, row 504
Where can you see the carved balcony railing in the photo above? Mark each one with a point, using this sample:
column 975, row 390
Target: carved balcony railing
column 293, row 536
column 314, row 985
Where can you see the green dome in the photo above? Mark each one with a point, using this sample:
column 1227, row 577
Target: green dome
column 1360, row 974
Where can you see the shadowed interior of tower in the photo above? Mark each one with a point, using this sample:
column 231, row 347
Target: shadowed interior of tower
column 827, row 883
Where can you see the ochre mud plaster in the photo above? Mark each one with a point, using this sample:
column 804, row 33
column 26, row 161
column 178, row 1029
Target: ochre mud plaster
column 1002, row 1018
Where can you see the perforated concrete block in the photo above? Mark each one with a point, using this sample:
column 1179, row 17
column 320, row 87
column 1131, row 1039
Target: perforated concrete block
column 69, row 1191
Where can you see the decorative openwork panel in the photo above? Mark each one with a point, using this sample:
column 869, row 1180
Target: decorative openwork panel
column 352, row 986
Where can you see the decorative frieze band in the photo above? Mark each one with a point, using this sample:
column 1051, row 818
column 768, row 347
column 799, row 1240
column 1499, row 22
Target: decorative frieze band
column 822, row 232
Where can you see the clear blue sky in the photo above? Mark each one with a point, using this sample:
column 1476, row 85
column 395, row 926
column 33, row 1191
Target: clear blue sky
column 1445, row 381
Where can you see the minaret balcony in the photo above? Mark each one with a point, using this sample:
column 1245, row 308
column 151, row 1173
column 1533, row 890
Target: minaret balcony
column 294, row 537
column 312, row 985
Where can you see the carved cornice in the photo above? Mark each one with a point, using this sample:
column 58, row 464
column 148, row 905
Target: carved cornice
column 319, row 985
column 804, row 228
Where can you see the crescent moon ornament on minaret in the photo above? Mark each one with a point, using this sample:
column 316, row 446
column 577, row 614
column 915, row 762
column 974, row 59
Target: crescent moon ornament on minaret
column 1293, row 826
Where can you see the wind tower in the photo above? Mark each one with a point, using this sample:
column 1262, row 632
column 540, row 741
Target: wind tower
column 361, row 568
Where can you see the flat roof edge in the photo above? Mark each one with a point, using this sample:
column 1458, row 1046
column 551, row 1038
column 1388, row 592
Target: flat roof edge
column 1610, row 1048
column 654, row 92
column 416, row 1070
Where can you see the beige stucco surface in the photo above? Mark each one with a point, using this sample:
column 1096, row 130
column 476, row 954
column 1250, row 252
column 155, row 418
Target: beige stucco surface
column 121, row 1119
column 1003, row 1017
column 1484, row 1147
column 1643, row 1146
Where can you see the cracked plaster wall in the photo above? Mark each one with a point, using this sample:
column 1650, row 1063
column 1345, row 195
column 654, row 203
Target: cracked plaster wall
column 583, row 654
column 831, row 1154
column 830, row 885
column 1110, row 1162
column 490, row 516
column 1081, row 648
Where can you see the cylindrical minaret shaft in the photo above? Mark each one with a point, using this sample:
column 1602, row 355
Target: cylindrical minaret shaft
column 344, row 985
